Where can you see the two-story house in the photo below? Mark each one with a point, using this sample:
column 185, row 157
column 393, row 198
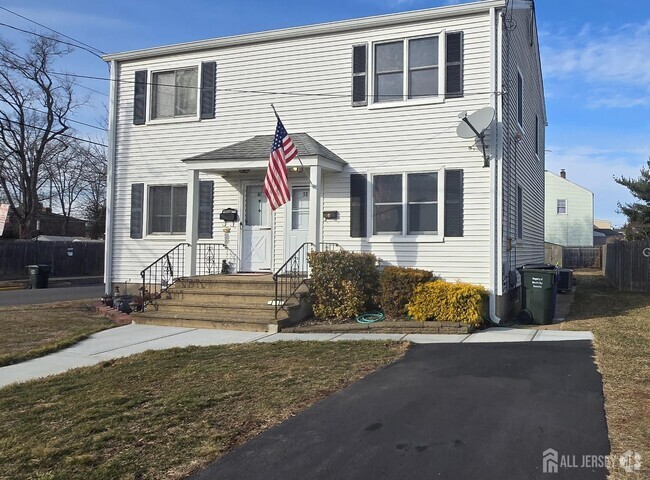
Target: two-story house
column 373, row 106
column 569, row 215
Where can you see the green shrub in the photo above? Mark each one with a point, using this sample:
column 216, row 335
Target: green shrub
column 343, row 284
column 397, row 287
column 448, row 302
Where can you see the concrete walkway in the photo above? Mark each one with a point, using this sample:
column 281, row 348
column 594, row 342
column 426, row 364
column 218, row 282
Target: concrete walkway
column 130, row 339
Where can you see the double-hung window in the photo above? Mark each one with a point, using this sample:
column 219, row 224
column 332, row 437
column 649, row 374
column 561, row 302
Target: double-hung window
column 405, row 204
column 561, row 206
column 174, row 93
column 167, row 208
column 418, row 57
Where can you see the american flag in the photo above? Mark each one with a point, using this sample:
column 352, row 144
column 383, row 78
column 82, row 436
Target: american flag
column 276, row 185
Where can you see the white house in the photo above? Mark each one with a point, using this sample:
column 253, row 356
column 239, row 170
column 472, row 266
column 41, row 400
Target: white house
column 372, row 105
column 569, row 214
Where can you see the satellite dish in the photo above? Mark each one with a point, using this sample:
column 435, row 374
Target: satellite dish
column 475, row 125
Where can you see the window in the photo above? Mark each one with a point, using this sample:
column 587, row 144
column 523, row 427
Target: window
column 174, row 93
column 561, row 206
column 413, row 196
column 520, row 213
column 418, row 57
column 167, row 209
column 520, row 100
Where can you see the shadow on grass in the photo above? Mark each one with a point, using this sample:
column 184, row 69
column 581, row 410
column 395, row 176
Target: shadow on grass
column 596, row 298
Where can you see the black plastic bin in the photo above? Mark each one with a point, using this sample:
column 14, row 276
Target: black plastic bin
column 539, row 291
column 38, row 275
column 565, row 283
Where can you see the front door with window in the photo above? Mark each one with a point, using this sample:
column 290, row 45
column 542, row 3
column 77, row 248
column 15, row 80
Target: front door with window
column 257, row 234
column 297, row 215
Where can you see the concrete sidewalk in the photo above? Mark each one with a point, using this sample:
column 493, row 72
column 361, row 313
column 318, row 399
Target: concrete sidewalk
column 130, row 339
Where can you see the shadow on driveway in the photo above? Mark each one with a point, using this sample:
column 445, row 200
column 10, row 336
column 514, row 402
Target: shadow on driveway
column 485, row 411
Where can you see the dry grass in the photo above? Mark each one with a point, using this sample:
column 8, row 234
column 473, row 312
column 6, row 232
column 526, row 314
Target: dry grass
column 620, row 322
column 167, row 413
column 30, row 331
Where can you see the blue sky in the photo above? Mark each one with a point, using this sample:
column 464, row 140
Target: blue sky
column 595, row 59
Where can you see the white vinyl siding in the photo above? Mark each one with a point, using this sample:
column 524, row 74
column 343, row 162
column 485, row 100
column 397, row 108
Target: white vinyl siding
column 372, row 142
column 569, row 213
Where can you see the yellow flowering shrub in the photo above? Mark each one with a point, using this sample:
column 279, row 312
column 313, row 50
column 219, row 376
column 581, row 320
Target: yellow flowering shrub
column 448, row 302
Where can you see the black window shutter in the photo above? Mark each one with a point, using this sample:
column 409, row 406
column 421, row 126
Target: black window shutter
column 454, row 59
column 453, row 203
column 206, row 202
column 359, row 75
column 208, row 88
column 140, row 98
column 137, row 199
column 358, row 205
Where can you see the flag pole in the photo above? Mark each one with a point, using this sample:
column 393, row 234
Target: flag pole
column 298, row 155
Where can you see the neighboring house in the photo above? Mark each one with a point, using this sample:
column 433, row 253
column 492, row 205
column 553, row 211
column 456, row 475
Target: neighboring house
column 569, row 212
column 372, row 105
column 49, row 224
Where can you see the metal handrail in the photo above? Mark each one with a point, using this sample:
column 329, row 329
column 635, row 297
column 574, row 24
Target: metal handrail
column 295, row 272
column 161, row 274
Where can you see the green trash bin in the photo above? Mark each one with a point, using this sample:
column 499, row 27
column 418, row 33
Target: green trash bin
column 38, row 275
column 539, row 291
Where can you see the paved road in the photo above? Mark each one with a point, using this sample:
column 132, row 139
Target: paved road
column 47, row 295
column 445, row 411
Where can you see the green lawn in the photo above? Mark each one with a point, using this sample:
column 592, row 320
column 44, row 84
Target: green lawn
column 620, row 322
column 29, row 331
column 165, row 414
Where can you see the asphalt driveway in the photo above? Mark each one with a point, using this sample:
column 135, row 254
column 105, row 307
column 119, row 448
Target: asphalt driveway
column 485, row 411
column 47, row 295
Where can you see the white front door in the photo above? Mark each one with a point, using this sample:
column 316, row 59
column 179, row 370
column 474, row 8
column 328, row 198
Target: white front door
column 297, row 215
column 257, row 234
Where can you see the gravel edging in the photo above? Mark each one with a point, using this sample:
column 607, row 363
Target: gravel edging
column 387, row 327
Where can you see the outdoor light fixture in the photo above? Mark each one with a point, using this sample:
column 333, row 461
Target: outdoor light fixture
column 295, row 169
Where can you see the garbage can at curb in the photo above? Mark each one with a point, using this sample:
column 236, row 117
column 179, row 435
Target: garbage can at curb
column 38, row 275
column 539, row 291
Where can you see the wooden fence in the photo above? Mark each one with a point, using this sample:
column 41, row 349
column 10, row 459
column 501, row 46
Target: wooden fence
column 627, row 265
column 67, row 259
column 582, row 257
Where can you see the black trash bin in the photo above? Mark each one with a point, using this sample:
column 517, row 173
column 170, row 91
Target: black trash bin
column 539, row 291
column 38, row 275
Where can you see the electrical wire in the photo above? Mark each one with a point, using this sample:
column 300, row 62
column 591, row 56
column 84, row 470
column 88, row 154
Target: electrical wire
column 58, row 134
column 51, row 38
column 70, row 120
column 52, row 30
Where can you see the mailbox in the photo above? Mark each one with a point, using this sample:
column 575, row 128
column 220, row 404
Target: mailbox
column 228, row 215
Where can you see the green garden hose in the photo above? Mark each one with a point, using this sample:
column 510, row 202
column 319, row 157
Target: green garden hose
column 370, row 317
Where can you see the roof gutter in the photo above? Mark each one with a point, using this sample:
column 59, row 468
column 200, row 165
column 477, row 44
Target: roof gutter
column 310, row 30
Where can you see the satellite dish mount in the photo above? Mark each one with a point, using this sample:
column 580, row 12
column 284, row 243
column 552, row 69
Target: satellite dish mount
column 474, row 126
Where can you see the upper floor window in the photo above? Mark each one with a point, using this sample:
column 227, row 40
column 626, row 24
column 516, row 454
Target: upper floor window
column 174, row 93
column 561, row 206
column 406, row 69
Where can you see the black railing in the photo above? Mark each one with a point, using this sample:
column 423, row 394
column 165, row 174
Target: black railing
column 211, row 259
column 162, row 274
column 294, row 273
column 215, row 258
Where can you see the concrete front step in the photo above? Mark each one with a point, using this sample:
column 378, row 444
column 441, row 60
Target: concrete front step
column 211, row 321
column 228, row 282
column 200, row 295
column 233, row 310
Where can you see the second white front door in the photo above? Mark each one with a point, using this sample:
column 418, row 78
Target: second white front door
column 297, row 220
column 257, row 232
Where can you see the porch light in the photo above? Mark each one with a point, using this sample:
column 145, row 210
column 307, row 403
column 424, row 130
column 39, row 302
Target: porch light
column 295, row 169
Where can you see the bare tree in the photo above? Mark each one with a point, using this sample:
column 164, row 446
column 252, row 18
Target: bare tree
column 34, row 105
column 93, row 198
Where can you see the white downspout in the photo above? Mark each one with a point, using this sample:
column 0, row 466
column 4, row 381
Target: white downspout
column 110, row 180
column 496, row 174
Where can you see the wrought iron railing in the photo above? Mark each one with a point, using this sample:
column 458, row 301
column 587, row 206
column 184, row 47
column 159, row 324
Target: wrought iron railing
column 162, row 274
column 215, row 258
column 294, row 273
column 157, row 278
